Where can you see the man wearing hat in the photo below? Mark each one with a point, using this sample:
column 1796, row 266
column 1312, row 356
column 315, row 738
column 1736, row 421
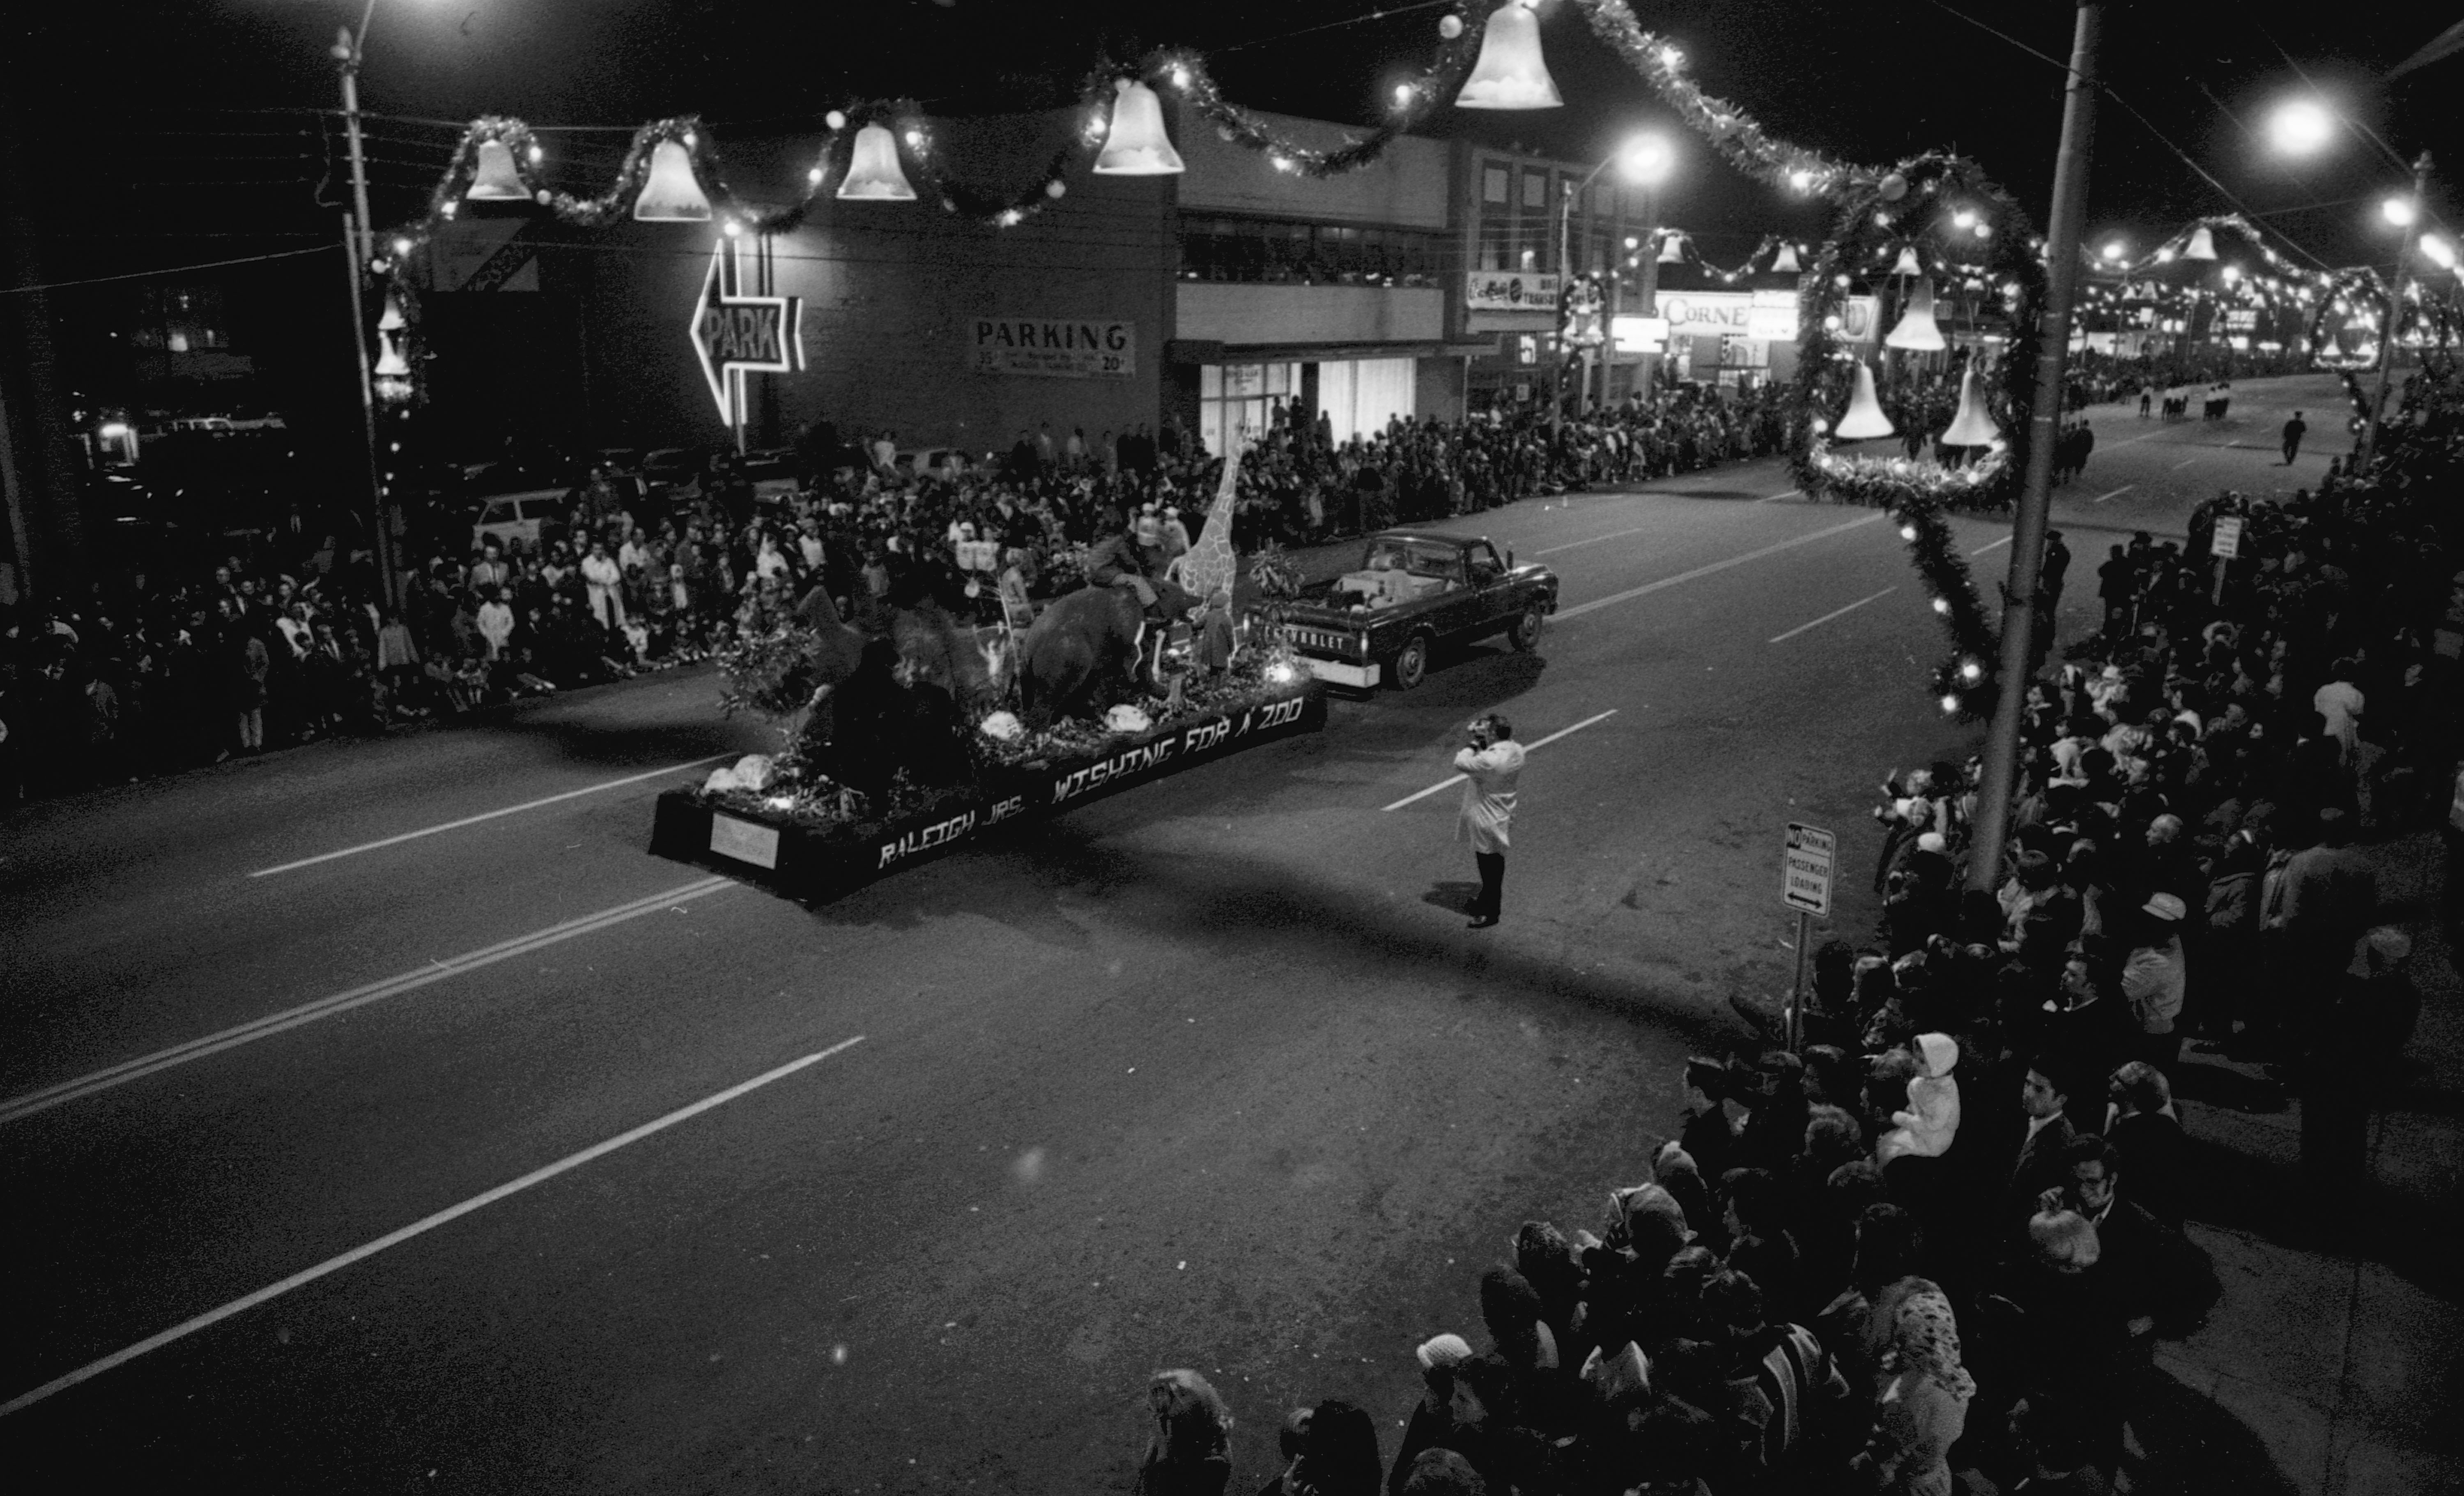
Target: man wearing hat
column 2155, row 976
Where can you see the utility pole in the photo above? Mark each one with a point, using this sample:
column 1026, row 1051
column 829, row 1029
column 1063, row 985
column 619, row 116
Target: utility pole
column 1651, row 286
column 2395, row 309
column 2044, row 427
column 359, row 240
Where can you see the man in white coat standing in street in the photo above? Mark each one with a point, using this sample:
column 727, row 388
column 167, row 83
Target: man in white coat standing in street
column 1491, row 761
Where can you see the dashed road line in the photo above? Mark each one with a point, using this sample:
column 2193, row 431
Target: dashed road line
column 18, row 1107
column 1828, row 617
column 420, row 1227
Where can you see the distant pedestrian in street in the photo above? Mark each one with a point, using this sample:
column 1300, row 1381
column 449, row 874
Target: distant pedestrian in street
column 2146, row 398
column 1492, row 760
column 2293, row 431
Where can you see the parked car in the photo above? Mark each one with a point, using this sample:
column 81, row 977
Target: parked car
column 672, row 466
column 534, row 516
column 942, row 462
column 1416, row 592
column 772, row 474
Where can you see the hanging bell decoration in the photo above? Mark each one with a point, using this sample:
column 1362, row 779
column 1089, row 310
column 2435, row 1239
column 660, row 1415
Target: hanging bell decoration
column 493, row 179
column 1907, row 263
column 2202, row 245
column 1137, row 144
column 1510, row 73
column 1972, row 425
column 1864, row 417
column 1784, row 263
column 670, row 194
column 873, row 174
column 391, row 319
column 1915, row 331
column 1672, row 249
column 391, row 364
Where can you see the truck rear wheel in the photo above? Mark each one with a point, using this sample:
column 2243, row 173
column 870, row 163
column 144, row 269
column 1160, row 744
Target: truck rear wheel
column 1412, row 662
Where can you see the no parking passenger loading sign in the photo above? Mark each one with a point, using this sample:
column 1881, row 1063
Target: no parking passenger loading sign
column 1805, row 869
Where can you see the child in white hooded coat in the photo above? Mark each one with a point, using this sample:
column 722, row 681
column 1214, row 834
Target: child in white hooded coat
column 1931, row 1119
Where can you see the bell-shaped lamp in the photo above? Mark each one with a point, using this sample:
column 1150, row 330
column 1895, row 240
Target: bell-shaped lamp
column 670, row 194
column 1510, row 73
column 2202, row 245
column 494, row 180
column 1137, row 144
column 391, row 364
column 391, row 319
column 1864, row 417
column 1672, row 249
column 873, row 174
column 1907, row 262
column 1785, row 261
column 1972, row 425
column 1915, row 331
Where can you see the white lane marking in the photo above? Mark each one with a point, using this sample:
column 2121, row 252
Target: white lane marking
column 17, row 1107
column 1699, row 572
column 420, row 1227
column 1776, row 497
column 2184, row 463
column 490, row 815
column 1527, row 747
column 2116, row 494
column 1834, row 613
column 1991, row 546
column 1612, row 535
column 2127, row 440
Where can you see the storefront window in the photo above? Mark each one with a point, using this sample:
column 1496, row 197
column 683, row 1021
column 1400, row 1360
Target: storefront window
column 1236, row 402
column 1317, row 255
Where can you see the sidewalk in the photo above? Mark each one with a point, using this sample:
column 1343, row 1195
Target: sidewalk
column 2328, row 1369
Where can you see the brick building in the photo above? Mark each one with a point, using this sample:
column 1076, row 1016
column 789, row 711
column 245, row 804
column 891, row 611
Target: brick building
column 1419, row 285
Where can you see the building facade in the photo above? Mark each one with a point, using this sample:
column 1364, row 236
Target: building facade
column 1225, row 300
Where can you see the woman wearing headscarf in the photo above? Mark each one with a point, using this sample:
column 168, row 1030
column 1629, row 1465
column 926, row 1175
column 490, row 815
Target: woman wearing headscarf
column 1191, row 1451
column 1922, row 1394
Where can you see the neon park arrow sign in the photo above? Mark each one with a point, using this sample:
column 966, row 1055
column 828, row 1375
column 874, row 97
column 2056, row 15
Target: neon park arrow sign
column 735, row 335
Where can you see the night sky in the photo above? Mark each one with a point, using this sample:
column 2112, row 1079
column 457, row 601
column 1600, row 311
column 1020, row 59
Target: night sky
column 188, row 127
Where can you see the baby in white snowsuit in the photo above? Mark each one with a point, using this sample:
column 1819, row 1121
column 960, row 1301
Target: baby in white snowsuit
column 1931, row 1119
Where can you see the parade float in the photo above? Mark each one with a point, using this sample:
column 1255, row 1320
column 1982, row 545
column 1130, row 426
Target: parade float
column 903, row 744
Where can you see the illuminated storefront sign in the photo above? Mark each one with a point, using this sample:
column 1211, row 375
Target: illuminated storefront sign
column 735, row 335
column 1509, row 291
column 1769, row 316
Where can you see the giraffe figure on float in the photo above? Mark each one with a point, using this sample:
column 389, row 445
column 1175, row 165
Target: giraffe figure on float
column 1212, row 566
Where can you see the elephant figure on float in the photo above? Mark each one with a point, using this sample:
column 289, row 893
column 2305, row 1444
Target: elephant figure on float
column 972, row 664
column 1092, row 647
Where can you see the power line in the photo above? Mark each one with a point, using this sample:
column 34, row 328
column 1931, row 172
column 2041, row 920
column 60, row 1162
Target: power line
column 169, row 269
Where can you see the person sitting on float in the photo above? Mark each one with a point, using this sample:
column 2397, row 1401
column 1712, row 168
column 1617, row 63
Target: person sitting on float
column 1120, row 559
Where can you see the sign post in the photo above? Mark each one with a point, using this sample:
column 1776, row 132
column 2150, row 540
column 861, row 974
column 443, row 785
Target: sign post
column 1805, row 886
column 2225, row 548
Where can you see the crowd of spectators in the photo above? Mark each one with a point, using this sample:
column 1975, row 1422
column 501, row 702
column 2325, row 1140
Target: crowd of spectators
column 1946, row 1232
column 151, row 674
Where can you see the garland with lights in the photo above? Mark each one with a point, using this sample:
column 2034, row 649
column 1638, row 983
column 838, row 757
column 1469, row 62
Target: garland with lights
column 1736, row 135
column 1920, row 494
column 1758, row 261
column 2358, row 289
column 1184, row 74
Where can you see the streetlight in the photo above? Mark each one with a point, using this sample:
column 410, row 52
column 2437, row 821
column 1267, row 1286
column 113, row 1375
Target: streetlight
column 1644, row 160
column 2301, row 126
column 2114, row 249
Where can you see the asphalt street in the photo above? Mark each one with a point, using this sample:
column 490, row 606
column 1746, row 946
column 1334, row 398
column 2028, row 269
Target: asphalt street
column 381, row 1116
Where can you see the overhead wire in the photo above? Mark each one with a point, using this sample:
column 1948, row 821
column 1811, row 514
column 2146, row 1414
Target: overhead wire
column 2107, row 89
